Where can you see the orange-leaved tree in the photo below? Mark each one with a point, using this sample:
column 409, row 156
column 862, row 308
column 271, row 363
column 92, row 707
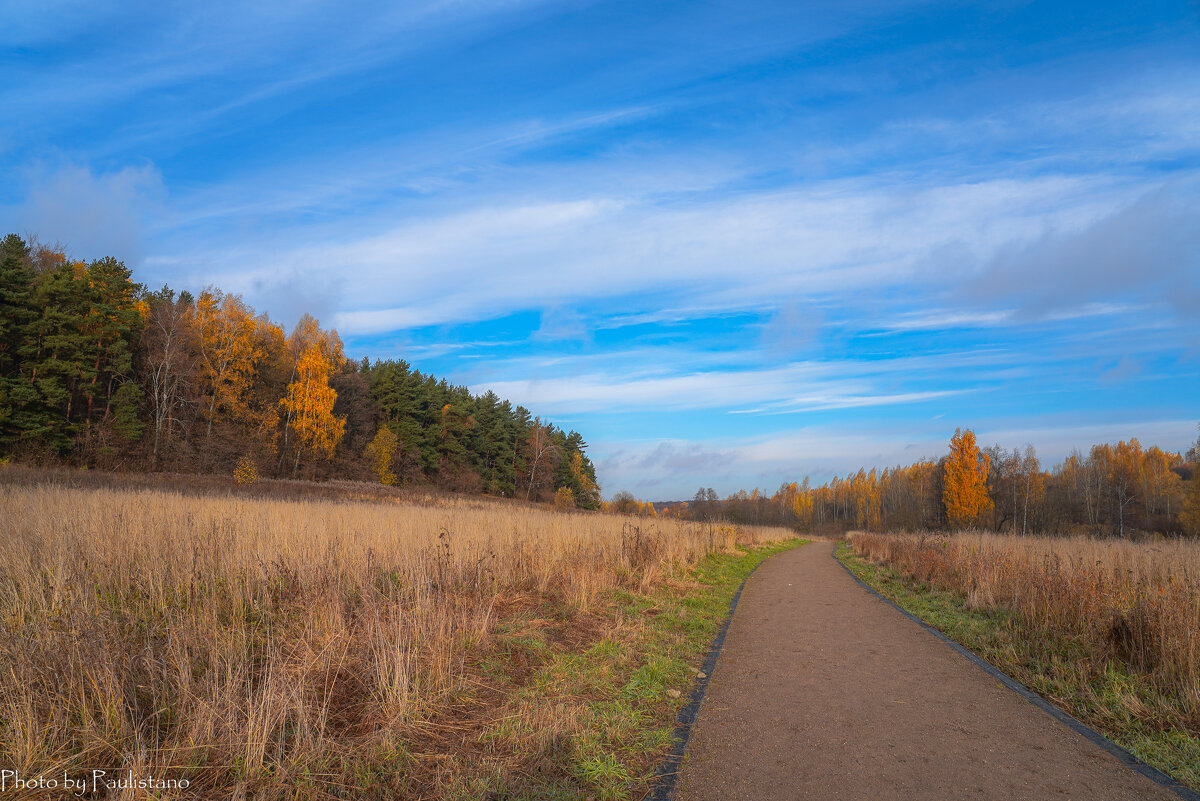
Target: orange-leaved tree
column 229, row 355
column 964, row 491
column 309, row 399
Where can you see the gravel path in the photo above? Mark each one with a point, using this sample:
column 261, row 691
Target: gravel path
column 825, row 692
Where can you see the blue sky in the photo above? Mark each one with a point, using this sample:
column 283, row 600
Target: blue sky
column 731, row 243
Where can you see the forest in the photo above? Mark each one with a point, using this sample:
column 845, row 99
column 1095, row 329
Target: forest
column 98, row 371
column 1120, row 489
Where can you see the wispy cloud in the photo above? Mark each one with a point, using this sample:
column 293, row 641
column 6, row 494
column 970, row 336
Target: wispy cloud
column 730, row 253
column 819, row 402
column 824, row 385
column 731, row 243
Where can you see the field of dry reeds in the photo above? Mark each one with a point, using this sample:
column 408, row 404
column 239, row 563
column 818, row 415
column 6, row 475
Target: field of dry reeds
column 1125, row 615
column 282, row 648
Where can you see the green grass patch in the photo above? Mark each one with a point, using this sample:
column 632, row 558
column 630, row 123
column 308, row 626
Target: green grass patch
column 1101, row 692
column 596, row 721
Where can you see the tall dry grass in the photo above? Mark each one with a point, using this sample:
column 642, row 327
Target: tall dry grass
column 1136, row 603
column 273, row 648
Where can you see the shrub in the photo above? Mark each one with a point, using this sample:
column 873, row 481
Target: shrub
column 246, row 471
column 564, row 498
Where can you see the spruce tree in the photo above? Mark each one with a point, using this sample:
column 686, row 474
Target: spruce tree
column 21, row 408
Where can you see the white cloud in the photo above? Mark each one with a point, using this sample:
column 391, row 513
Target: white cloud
column 91, row 214
column 657, row 381
column 742, row 251
column 824, row 402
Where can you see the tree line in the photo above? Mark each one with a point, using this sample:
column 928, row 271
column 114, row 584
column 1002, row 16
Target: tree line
column 1119, row 489
column 98, row 371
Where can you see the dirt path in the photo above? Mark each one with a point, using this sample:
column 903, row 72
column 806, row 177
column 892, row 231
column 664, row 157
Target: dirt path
column 825, row 692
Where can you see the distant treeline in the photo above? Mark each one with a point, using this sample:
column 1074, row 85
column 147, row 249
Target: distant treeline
column 1118, row 489
column 97, row 371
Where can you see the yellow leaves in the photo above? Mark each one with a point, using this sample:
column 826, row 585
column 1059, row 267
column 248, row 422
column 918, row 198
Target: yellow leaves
column 965, row 492
column 246, row 471
column 802, row 507
column 229, row 353
column 564, row 499
column 309, row 401
column 382, row 452
column 590, row 490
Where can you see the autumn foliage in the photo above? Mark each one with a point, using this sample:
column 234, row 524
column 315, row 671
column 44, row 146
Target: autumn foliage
column 309, row 399
column 965, row 492
column 246, row 471
column 382, row 453
column 97, row 371
column 1122, row 489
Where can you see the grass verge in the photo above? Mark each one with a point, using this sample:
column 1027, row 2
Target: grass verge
column 1102, row 692
column 584, row 707
column 293, row 650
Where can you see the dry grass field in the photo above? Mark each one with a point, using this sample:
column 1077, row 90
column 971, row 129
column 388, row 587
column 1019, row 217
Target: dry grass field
column 1108, row 629
column 290, row 649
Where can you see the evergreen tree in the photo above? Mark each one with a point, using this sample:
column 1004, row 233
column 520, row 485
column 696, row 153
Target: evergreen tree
column 61, row 358
column 22, row 413
column 111, row 324
column 89, row 359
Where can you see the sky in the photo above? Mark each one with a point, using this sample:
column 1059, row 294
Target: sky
column 733, row 244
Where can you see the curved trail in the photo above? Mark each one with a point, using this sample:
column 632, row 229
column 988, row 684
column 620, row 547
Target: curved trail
column 823, row 691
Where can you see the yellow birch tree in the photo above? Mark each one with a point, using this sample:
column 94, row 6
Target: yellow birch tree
column 229, row 353
column 309, row 399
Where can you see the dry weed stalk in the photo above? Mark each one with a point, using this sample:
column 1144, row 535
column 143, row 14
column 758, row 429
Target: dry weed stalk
column 271, row 647
column 1138, row 603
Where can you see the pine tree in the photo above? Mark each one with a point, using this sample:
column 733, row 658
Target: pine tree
column 111, row 324
column 22, row 413
column 60, row 363
column 17, row 310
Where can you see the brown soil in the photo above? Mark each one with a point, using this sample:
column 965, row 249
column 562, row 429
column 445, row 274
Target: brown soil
column 823, row 691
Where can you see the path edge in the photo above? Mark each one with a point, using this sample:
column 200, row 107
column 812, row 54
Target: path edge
column 662, row 788
column 1070, row 721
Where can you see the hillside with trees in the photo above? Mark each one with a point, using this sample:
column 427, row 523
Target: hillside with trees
column 97, row 371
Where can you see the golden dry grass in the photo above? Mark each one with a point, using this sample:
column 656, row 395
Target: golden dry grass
column 278, row 648
column 1136, row 605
